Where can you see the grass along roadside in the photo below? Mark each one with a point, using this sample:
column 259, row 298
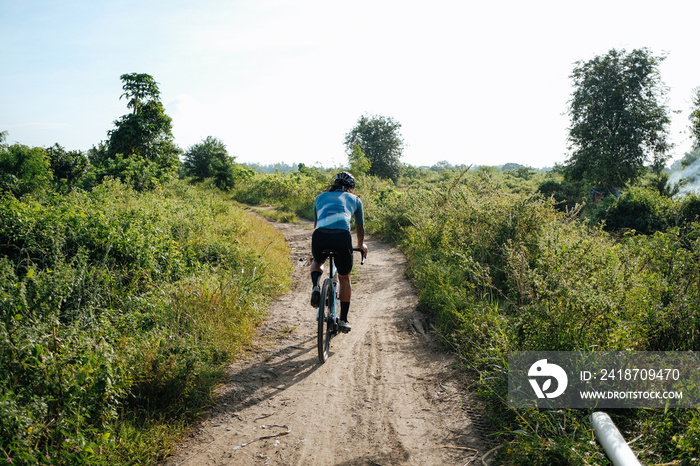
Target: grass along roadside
column 276, row 216
column 504, row 271
column 501, row 268
column 120, row 311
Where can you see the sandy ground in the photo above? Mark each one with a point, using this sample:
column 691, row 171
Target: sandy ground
column 386, row 396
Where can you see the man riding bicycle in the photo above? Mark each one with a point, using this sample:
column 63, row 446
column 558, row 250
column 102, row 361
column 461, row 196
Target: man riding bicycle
column 333, row 211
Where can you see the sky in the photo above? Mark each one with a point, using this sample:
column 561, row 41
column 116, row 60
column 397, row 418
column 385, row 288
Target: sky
column 470, row 82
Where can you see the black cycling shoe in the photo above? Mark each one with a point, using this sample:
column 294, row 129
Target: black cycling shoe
column 344, row 326
column 315, row 296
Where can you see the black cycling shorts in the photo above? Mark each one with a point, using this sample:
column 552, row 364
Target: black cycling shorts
column 338, row 240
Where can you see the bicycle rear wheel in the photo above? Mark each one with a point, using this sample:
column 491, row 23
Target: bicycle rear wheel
column 325, row 320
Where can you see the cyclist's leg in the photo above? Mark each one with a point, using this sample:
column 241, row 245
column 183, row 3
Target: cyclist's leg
column 345, row 288
column 316, row 273
column 343, row 262
column 344, row 293
column 318, row 244
column 316, row 266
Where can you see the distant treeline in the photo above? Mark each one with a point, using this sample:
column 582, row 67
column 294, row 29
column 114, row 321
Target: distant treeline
column 283, row 167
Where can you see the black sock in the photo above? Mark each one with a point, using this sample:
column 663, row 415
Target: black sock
column 344, row 308
column 314, row 277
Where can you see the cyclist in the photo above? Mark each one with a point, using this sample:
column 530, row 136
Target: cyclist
column 333, row 211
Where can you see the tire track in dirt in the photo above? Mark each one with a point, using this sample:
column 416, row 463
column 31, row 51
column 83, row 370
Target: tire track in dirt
column 386, row 396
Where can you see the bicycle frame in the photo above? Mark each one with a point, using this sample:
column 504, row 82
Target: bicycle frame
column 334, row 285
column 327, row 317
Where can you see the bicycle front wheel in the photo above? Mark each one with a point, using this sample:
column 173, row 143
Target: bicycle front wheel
column 325, row 320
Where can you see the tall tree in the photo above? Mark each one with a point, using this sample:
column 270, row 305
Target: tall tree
column 380, row 140
column 138, row 89
column 147, row 131
column 618, row 118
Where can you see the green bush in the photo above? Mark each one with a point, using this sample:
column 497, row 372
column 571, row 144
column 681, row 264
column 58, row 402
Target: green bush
column 566, row 196
column 117, row 308
column 292, row 192
column 505, row 271
column 210, row 160
column 23, row 170
column 69, row 168
column 642, row 210
column 689, row 209
column 135, row 171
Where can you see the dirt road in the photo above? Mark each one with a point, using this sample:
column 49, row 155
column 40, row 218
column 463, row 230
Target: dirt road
column 386, row 396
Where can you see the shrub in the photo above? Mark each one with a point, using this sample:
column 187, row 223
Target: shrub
column 119, row 307
column 210, row 159
column 642, row 210
column 23, row 170
column 689, row 209
column 503, row 271
column 565, row 195
column 293, row 192
column 68, row 167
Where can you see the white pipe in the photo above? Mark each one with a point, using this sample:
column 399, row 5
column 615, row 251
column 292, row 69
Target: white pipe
column 612, row 441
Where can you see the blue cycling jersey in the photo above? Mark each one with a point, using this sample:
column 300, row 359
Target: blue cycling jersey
column 335, row 209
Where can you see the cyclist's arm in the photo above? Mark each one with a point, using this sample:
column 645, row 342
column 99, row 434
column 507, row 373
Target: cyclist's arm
column 360, row 230
column 315, row 215
column 360, row 226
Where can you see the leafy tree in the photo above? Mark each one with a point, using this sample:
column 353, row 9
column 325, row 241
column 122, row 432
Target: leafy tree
column 618, row 118
column 210, row 159
column 139, row 88
column 23, row 169
column 147, row 131
column 380, row 140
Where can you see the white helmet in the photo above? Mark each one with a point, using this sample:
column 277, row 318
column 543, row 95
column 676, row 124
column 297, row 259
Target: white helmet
column 344, row 179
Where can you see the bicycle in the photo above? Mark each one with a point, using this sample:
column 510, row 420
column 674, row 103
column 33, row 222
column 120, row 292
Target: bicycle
column 326, row 317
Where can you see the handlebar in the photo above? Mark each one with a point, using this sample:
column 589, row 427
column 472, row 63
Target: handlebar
column 331, row 252
column 361, row 251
